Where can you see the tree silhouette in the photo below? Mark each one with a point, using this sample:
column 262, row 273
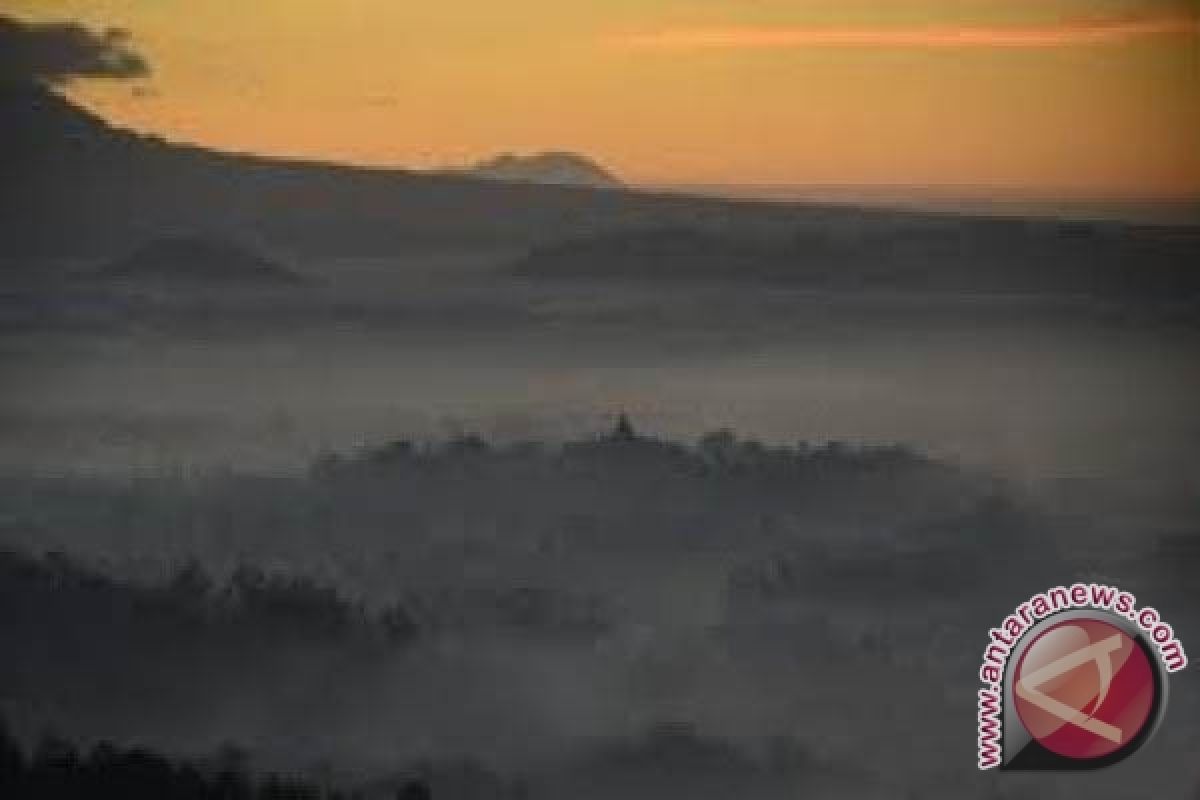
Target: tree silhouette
column 57, row 771
column 624, row 432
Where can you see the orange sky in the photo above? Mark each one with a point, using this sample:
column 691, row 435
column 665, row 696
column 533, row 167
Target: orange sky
column 1047, row 97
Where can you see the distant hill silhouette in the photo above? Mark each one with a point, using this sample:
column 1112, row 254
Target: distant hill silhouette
column 566, row 169
column 923, row 253
column 187, row 261
column 75, row 185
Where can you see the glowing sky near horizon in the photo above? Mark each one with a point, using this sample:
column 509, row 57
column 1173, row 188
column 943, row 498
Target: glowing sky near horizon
column 1046, row 97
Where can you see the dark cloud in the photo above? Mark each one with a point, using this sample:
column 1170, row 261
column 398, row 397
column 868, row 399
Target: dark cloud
column 59, row 51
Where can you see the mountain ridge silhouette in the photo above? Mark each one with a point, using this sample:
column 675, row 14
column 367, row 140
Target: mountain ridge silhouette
column 77, row 186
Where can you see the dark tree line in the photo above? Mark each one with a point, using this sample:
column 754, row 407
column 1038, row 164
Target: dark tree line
column 251, row 603
column 57, row 770
column 717, row 455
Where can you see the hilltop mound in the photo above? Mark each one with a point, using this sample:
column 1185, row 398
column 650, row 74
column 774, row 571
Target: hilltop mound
column 199, row 261
column 556, row 168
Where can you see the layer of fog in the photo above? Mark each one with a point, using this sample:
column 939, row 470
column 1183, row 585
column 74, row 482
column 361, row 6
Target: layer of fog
column 434, row 345
column 770, row 634
column 619, row 613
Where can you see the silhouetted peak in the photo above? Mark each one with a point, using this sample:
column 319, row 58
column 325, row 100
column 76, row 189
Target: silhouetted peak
column 567, row 169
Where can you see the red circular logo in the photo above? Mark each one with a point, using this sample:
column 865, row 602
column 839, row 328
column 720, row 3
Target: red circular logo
column 1084, row 689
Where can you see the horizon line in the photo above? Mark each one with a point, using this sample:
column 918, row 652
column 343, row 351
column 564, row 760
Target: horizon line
column 1067, row 33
